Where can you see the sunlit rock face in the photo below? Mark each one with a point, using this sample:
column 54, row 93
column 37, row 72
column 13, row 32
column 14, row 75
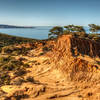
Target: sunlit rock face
column 75, row 58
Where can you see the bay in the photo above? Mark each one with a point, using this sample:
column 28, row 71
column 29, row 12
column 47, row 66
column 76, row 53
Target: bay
column 39, row 32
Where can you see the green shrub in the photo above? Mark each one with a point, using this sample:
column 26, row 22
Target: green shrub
column 46, row 49
column 30, row 79
column 19, row 81
column 26, row 65
column 20, row 72
column 10, row 63
column 4, row 79
column 41, row 54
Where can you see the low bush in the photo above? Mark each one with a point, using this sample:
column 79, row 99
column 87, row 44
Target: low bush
column 18, row 81
column 46, row 49
column 4, row 79
column 30, row 79
column 20, row 72
column 11, row 64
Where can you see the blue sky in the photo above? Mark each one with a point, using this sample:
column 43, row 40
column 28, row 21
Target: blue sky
column 49, row 12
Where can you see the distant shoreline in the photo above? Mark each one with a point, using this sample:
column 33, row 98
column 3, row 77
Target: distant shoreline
column 12, row 26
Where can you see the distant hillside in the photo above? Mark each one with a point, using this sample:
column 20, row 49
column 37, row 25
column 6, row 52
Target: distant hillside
column 13, row 26
column 6, row 40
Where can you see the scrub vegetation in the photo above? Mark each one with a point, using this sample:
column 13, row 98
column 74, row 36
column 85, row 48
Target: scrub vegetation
column 77, row 31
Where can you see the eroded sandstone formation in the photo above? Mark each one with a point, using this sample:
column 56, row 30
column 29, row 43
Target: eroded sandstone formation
column 76, row 58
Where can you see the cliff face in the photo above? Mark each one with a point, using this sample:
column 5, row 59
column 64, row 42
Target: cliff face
column 75, row 46
column 75, row 58
column 85, row 47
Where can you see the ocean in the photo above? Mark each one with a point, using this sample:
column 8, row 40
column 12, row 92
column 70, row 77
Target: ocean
column 39, row 32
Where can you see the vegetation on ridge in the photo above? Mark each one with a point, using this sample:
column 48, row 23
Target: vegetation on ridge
column 77, row 31
column 6, row 40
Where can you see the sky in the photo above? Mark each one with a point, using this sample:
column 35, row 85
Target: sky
column 49, row 12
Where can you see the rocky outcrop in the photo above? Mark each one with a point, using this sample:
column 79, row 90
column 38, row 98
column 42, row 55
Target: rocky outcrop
column 74, row 57
column 85, row 47
column 75, row 46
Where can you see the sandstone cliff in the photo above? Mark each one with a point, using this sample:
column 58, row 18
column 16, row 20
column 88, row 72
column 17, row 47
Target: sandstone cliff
column 76, row 58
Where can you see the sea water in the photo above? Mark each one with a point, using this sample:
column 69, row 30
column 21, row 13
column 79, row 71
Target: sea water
column 39, row 32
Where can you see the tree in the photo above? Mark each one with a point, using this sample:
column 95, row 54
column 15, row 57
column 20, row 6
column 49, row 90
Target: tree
column 75, row 30
column 94, row 28
column 69, row 28
column 55, row 31
column 79, row 29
